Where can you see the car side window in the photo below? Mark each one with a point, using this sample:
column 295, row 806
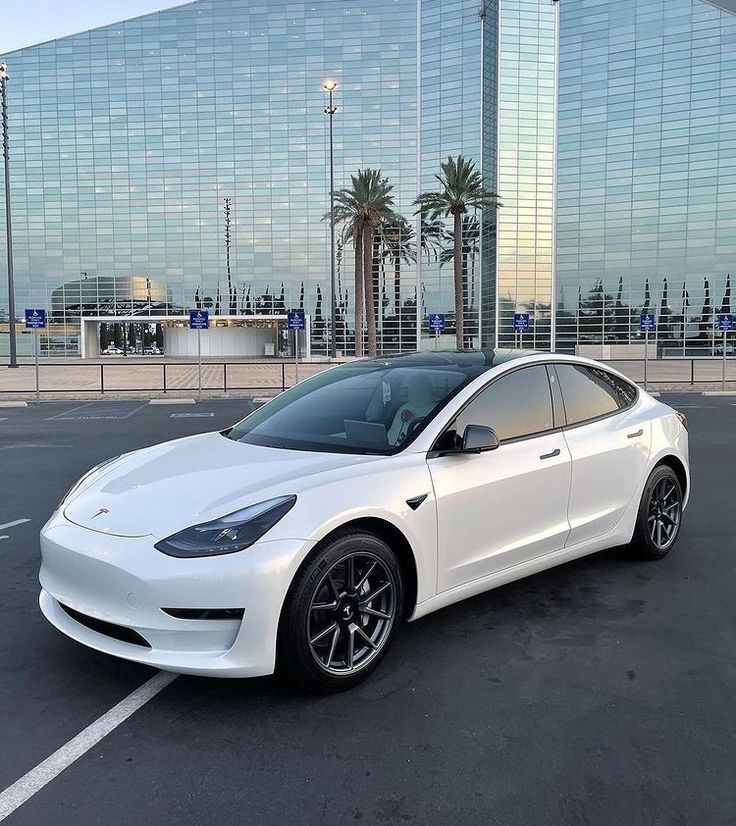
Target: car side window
column 589, row 392
column 626, row 392
column 516, row 405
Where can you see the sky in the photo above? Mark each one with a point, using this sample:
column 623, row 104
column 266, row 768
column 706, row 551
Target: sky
column 25, row 22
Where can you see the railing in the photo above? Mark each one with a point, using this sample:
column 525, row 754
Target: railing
column 159, row 377
column 273, row 377
column 688, row 371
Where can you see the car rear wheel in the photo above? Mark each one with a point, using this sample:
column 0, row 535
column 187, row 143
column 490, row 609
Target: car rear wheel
column 660, row 514
column 341, row 613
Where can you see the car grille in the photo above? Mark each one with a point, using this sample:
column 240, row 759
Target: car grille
column 109, row 629
column 205, row 613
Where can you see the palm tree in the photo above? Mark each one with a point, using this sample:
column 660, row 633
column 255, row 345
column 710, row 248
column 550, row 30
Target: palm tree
column 726, row 303
column 461, row 189
column 432, row 235
column 470, row 234
column 706, row 316
column 360, row 208
column 397, row 236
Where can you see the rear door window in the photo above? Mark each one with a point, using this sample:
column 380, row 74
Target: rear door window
column 589, row 393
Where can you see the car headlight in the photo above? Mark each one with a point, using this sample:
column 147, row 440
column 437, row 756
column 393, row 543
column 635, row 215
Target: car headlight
column 230, row 533
column 78, row 484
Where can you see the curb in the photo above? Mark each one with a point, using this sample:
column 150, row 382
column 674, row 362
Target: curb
column 172, row 401
column 718, row 393
column 13, row 404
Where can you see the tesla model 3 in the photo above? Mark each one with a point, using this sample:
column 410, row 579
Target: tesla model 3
column 299, row 539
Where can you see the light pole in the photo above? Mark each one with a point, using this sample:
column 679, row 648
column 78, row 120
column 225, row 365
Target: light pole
column 329, row 86
column 8, row 223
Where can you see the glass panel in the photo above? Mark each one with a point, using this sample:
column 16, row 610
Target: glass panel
column 516, row 405
column 587, row 393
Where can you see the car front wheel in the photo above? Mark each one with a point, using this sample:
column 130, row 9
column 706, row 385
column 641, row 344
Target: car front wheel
column 342, row 612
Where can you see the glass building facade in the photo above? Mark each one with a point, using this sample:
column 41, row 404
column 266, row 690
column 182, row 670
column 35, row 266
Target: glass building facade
column 526, row 123
column 646, row 172
column 181, row 159
column 129, row 141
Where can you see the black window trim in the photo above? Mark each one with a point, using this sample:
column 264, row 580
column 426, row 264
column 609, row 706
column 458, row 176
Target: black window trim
column 557, row 414
column 558, row 404
column 567, row 426
column 435, row 452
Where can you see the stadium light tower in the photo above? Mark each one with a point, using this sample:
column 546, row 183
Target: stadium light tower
column 8, row 222
column 329, row 86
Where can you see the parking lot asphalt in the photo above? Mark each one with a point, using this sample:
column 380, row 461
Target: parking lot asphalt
column 599, row 692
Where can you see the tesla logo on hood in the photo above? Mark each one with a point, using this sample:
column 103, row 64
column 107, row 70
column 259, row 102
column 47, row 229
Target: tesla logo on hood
column 100, row 512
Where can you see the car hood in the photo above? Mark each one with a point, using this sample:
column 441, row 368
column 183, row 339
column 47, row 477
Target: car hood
column 163, row 489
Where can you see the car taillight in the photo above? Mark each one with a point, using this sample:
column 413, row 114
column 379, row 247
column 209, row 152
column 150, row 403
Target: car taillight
column 683, row 419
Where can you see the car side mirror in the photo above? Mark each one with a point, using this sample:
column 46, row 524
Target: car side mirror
column 478, row 439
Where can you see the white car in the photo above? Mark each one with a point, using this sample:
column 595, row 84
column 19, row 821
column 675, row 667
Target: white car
column 383, row 489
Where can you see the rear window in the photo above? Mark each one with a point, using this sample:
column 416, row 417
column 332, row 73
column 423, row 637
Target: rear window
column 589, row 392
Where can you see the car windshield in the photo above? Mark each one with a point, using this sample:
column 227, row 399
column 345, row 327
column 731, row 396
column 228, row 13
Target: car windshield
column 375, row 406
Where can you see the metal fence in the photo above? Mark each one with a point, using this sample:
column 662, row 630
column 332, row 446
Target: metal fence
column 273, row 377
column 159, row 377
column 680, row 372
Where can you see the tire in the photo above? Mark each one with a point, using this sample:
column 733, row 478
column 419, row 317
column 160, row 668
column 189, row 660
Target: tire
column 659, row 519
column 341, row 613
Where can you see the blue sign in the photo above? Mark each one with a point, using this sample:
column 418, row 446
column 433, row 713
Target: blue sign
column 725, row 322
column 296, row 320
column 436, row 322
column 521, row 322
column 35, row 319
column 647, row 322
column 199, row 319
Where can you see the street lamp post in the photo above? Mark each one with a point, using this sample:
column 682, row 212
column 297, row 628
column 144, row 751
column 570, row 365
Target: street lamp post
column 8, row 223
column 329, row 86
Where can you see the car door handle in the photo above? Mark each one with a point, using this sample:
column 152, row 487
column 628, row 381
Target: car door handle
column 639, row 432
column 550, row 455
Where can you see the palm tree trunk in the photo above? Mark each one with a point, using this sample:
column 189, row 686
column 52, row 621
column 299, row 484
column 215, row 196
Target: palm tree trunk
column 397, row 286
column 466, row 308
column 376, row 272
column 358, row 245
column 458, row 266
column 370, row 307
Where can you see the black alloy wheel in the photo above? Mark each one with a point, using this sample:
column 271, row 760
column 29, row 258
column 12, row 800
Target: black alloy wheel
column 660, row 514
column 341, row 613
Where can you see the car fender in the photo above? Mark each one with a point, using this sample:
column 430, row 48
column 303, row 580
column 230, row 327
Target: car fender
column 327, row 507
column 670, row 438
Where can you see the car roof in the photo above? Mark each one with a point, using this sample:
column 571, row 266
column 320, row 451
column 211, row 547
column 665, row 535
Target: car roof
column 476, row 364
column 477, row 360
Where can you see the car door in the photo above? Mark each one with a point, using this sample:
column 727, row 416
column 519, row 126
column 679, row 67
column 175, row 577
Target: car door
column 609, row 442
column 503, row 507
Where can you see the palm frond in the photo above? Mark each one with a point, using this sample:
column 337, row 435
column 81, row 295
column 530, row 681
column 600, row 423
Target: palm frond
column 460, row 189
column 368, row 200
column 397, row 239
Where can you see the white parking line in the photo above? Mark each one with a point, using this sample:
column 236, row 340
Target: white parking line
column 13, row 524
column 24, row 788
column 190, row 415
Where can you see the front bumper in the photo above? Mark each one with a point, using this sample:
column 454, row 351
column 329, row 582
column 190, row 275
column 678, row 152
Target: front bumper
column 126, row 582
